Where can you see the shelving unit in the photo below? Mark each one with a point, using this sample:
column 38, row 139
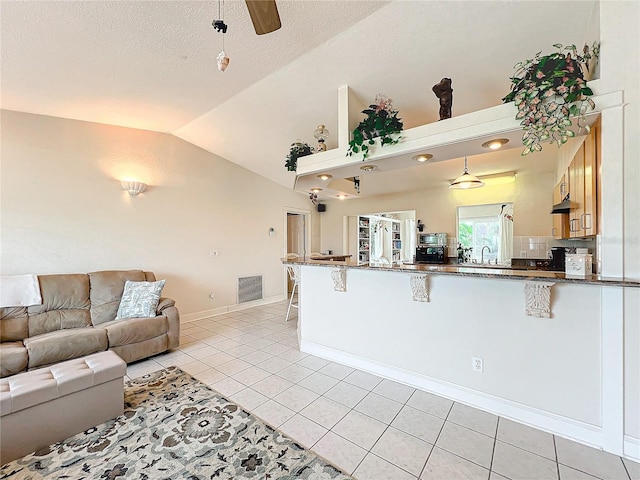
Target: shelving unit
column 456, row 137
column 364, row 239
column 396, row 242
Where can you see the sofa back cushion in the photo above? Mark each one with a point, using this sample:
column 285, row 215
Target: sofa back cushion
column 106, row 292
column 14, row 324
column 65, row 304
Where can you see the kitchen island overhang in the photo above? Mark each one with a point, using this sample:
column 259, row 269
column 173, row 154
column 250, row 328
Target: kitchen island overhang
column 551, row 345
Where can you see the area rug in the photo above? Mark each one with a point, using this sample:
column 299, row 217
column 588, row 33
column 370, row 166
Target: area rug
column 175, row 427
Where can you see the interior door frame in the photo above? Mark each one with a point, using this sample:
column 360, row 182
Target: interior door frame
column 307, row 235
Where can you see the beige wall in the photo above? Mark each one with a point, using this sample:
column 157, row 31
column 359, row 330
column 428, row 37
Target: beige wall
column 530, row 194
column 63, row 209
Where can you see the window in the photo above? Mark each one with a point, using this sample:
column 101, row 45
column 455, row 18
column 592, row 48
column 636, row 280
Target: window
column 487, row 226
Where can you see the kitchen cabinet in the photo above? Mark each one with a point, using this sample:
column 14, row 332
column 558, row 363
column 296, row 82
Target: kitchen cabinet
column 582, row 188
column 561, row 221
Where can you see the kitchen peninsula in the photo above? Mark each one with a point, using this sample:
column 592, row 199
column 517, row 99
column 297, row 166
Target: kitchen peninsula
column 532, row 346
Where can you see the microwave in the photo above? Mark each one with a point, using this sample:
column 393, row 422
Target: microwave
column 431, row 254
column 432, row 238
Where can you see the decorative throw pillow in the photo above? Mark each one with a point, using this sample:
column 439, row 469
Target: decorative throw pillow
column 140, row 299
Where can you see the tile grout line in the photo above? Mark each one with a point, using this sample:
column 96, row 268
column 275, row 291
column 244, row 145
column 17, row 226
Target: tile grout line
column 493, row 451
column 555, row 451
column 387, row 427
column 437, row 437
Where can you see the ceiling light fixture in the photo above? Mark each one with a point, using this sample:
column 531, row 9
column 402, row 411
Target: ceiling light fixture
column 466, row 180
column 316, row 190
column 324, row 176
column 341, row 196
column 498, row 178
column 496, row 143
column 368, row 168
column 134, row 188
column 423, row 157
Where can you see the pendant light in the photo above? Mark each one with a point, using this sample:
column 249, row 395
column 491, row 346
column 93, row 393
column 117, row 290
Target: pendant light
column 466, row 180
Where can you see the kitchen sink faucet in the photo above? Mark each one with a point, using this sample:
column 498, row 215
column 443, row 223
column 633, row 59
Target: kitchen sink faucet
column 482, row 253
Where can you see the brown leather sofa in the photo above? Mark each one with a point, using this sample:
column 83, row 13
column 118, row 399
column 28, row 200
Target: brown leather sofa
column 77, row 318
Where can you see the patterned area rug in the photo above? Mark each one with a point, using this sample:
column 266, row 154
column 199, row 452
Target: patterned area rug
column 175, row 427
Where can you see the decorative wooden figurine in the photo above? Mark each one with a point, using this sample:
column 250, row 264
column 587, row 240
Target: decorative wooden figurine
column 444, row 92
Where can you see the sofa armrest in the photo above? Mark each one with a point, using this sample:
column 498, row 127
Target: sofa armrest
column 165, row 303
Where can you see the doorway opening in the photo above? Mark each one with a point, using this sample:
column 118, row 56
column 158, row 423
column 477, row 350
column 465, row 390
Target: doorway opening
column 297, row 228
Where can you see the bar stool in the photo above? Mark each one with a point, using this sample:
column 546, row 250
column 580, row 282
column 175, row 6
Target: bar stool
column 294, row 275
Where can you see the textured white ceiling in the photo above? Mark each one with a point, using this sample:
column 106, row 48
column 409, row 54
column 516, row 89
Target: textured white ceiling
column 151, row 64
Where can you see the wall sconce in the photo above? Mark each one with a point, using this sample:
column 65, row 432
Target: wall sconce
column 134, row 188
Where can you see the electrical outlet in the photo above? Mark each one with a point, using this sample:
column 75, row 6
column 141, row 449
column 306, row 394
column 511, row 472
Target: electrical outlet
column 477, row 364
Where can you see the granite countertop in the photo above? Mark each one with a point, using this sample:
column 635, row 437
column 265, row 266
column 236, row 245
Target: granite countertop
column 470, row 271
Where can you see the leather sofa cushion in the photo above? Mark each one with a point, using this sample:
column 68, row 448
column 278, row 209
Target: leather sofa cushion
column 134, row 330
column 13, row 358
column 106, row 292
column 14, row 324
column 63, row 345
column 65, row 304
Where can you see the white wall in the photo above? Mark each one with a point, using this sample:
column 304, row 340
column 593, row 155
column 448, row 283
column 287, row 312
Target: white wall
column 620, row 69
column 545, row 371
column 63, row 209
column 530, row 194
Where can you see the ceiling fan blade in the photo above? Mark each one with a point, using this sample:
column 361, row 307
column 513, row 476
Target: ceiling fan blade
column 264, row 15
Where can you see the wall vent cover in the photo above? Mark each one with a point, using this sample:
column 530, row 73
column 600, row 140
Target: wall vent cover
column 249, row 288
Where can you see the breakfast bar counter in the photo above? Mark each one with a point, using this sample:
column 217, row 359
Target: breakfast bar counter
column 482, row 271
column 533, row 346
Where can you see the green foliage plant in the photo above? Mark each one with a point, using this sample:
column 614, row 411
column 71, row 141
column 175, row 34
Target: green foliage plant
column 298, row 149
column 548, row 90
column 381, row 121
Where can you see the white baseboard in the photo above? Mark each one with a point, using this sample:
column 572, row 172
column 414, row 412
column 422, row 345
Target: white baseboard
column 550, row 422
column 192, row 317
column 632, row 448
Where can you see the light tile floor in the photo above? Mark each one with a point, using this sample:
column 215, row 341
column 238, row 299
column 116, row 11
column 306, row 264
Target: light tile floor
column 370, row 427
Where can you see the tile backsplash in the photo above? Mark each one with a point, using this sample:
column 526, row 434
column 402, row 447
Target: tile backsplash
column 536, row 246
column 540, row 247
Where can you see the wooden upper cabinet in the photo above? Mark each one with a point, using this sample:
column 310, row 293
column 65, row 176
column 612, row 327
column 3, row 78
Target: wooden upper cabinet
column 589, row 219
column 560, row 221
column 576, row 192
column 582, row 189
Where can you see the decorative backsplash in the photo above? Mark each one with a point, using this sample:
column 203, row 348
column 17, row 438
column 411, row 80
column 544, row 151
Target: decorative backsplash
column 540, row 247
column 536, row 246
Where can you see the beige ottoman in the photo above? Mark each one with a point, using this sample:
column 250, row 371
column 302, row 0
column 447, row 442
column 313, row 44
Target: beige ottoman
column 45, row 406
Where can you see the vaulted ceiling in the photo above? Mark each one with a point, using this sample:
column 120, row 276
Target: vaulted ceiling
column 152, row 65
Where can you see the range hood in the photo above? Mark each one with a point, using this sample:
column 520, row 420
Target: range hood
column 564, row 206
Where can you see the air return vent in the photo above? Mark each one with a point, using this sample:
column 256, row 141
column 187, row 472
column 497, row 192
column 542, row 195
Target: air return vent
column 249, row 288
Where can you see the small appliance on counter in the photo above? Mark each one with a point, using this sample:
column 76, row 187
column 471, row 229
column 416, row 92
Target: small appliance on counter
column 558, row 255
column 431, row 254
column 432, row 239
column 578, row 265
